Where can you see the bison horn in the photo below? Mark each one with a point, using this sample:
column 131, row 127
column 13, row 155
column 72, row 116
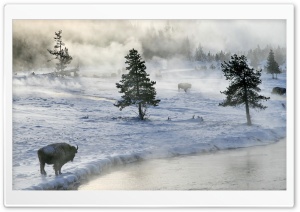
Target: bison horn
column 77, row 147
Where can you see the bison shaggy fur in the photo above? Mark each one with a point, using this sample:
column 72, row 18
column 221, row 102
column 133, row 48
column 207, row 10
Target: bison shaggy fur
column 279, row 90
column 57, row 154
column 184, row 86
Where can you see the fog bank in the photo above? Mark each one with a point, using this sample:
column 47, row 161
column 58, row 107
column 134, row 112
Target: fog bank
column 102, row 44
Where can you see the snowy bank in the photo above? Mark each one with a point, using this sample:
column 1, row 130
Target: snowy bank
column 97, row 167
column 81, row 112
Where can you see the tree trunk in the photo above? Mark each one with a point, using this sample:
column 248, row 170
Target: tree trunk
column 247, row 103
column 248, row 114
column 141, row 115
column 60, row 60
column 138, row 95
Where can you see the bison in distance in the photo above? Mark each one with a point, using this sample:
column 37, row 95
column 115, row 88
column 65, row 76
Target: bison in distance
column 279, row 90
column 184, row 86
column 57, row 154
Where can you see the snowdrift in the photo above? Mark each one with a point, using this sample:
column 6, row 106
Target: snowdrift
column 81, row 112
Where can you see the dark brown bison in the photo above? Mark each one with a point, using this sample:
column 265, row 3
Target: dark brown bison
column 184, row 86
column 57, row 154
column 279, row 90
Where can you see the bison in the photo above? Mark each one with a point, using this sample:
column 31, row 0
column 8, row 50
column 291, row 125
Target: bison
column 184, row 86
column 57, row 154
column 279, row 90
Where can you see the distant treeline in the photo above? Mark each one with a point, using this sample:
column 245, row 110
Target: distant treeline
column 30, row 53
column 257, row 55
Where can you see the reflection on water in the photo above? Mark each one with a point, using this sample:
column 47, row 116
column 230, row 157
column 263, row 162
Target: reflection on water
column 255, row 168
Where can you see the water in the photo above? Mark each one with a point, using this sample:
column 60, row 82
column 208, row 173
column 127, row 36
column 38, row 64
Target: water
column 253, row 168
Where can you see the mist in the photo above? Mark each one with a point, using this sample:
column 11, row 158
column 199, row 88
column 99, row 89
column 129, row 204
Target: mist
column 99, row 46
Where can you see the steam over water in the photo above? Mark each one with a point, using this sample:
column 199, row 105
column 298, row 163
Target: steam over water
column 255, row 168
column 80, row 110
column 99, row 46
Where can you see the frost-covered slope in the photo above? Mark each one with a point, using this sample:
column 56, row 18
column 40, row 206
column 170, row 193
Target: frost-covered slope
column 81, row 112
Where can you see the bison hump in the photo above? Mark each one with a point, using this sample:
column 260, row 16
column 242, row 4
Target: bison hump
column 49, row 149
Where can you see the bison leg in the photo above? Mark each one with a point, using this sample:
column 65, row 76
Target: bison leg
column 42, row 168
column 59, row 169
column 56, row 168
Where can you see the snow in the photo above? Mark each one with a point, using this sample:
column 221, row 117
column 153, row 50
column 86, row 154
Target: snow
column 80, row 111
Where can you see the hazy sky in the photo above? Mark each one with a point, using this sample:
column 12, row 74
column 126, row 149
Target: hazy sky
column 110, row 40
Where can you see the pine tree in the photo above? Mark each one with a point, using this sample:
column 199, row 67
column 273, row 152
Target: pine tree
column 254, row 61
column 199, row 54
column 61, row 54
column 272, row 66
column 137, row 88
column 280, row 55
column 209, row 57
column 186, row 49
column 243, row 88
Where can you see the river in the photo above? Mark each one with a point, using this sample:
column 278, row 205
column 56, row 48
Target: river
column 252, row 168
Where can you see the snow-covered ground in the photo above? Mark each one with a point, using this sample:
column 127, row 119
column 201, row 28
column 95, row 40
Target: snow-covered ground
column 80, row 111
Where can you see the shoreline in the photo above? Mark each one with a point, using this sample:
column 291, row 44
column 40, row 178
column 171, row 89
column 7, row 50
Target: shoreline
column 249, row 168
column 108, row 137
column 104, row 166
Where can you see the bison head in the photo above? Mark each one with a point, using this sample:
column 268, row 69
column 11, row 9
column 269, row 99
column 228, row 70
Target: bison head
column 73, row 151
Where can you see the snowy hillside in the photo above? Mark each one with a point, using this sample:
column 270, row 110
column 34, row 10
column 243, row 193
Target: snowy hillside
column 80, row 111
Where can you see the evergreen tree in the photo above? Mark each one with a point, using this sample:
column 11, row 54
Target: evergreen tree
column 259, row 52
column 217, row 57
column 272, row 65
column 209, row 57
column 186, row 49
column 254, row 61
column 243, row 88
column 137, row 88
column 280, row 55
column 199, row 54
column 222, row 56
column 61, row 54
